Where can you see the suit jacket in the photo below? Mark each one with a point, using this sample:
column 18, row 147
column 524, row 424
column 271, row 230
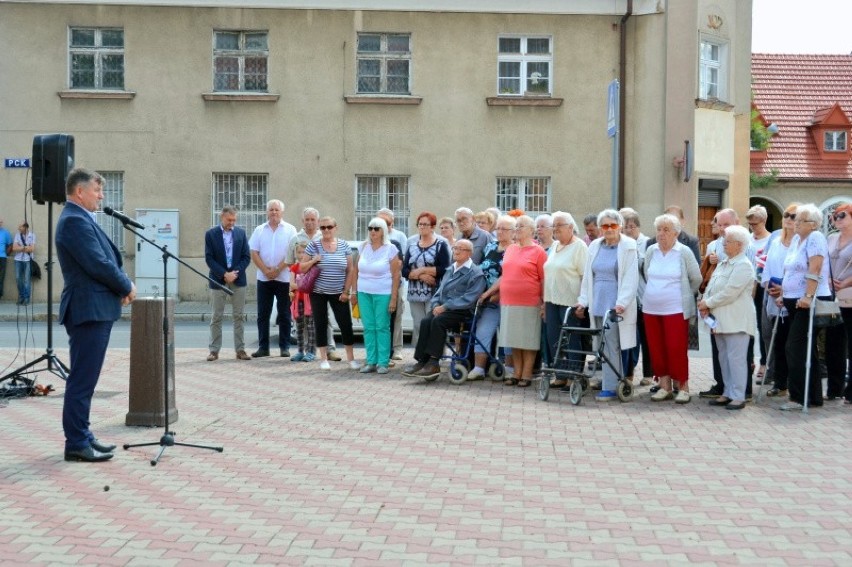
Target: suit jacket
column 459, row 289
column 91, row 267
column 214, row 255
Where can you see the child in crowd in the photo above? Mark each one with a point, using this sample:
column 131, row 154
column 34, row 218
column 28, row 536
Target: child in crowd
column 300, row 309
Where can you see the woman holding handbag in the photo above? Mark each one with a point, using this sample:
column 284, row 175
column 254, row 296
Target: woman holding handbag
column 837, row 339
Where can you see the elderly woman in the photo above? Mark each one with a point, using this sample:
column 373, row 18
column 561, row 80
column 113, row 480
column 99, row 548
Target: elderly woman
column 728, row 300
column 447, row 229
column 489, row 315
column 426, row 258
column 756, row 218
column 806, row 276
column 838, row 340
column 521, row 294
column 544, row 231
column 377, row 277
column 563, row 274
column 485, row 221
column 672, row 277
column 610, row 282
column 770, row 280
column 333, row 256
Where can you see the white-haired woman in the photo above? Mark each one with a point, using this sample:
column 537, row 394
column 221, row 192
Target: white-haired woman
column 672, row 277
column 610, row 281
column 756, row 218
column 728, row 299
column 377, row 275
column 806, row 276
column 563, row 275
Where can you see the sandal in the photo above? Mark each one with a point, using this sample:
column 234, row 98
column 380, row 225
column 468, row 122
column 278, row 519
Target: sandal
column 510, row 382
column 524, row 383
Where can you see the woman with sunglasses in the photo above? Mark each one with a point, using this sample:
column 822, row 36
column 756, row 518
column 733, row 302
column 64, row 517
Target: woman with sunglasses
column 771, row 279
column 838, row 340
column 331, row 288
column 611, row 281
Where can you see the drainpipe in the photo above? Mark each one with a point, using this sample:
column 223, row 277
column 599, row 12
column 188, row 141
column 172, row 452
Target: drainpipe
column 622, row 81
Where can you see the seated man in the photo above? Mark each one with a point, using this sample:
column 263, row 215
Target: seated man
column 452, row 305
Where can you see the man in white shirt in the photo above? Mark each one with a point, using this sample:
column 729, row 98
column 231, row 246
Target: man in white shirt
column 269, row 245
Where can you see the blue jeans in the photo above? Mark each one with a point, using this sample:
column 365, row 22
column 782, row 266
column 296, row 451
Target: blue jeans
column 376, row 320
column 22, row 274
column 486, row 326
column 267, row 292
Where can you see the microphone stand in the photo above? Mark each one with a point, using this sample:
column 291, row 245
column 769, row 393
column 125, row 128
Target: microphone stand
column 54, row 365
column 168, row 438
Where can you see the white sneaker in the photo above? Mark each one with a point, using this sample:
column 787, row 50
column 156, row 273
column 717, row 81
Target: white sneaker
column 396, row 356
column 324, row 365
column 662, row 395
column 682, row 397
column 354, row 364
column 476, row 374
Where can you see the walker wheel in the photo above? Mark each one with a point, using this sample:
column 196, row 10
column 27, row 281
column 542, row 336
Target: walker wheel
column 577, row 391
column 624, row 390
column 496, row 371
column 458, row 372
column 544, row 387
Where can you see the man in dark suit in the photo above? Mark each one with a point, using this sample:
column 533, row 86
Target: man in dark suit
column 226, row 252
column 452, row 304
column 95, row 290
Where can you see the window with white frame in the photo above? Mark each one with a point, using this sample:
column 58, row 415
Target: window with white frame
column 529, row 194
column 245, row 191
column 114, row 198
column 713, row 70
column 524, row 66
column 384, row 63
column 96, row 57
column 240, row 61
column 374, row 192
column 835, row 141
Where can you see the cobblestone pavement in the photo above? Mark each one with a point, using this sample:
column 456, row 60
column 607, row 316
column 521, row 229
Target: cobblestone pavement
column 337, row 468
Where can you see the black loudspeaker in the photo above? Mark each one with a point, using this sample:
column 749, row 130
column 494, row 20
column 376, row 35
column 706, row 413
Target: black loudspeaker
column 53, row 160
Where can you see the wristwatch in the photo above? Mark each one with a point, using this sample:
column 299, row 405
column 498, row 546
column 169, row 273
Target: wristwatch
column 809, row 295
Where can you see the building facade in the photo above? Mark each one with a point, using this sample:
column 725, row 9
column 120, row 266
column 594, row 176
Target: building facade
column 350, row 106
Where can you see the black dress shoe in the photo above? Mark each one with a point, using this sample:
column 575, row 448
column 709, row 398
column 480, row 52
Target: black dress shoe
column 735, row 406
column 102, row 447
column 88, row 455
column 711, row 393
column 718, row 402
column 259, row 353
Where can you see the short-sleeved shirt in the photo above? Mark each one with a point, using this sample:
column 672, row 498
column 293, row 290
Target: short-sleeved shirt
column 374, row 269
column 28, row 240
column 492, row 263
column 796, row 265
column 663, row 290
column 563, row 272
column 523, row 275
column 5, row 241
column 841, row 266
column 332, row 266
column 272, row 246
column 605, row 277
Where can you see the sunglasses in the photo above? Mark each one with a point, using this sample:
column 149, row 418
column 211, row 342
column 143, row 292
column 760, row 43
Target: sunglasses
column 372, row 228
column 609, row 226
column 327, row 227
column 840, row 215
column 790, row 216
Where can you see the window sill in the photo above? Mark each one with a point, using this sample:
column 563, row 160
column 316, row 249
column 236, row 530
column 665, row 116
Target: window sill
column 240, row 97
column 383, row 99
column 713, row 104
column 92, row 94
column 523, row 101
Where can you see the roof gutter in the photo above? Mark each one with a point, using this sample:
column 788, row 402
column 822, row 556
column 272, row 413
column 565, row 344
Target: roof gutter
column 622, row 114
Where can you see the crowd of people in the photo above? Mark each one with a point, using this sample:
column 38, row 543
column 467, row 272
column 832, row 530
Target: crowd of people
column 528, row 277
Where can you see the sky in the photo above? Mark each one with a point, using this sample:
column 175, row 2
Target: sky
column 797, row 26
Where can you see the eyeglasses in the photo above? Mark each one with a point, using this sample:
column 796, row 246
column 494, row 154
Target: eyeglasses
column 840, row 215
column 755, row 223
column 611, row 226
column 326, row 227
column 457, row 249
column 372, row 228
column 791, row 216
column 463, row 220
column 560, row 225
column 424, row 224
column 502, row 228
column 804, row 220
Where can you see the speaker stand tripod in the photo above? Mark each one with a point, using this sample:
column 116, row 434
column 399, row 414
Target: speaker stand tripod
column 168, row 438
column 54, row 365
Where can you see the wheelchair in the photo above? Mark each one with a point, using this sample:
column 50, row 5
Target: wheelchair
column 570, row 363
column 460, row 345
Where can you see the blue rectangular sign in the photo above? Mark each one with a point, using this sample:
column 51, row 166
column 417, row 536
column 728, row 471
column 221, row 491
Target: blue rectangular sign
column 612, row 96
column 17, row 162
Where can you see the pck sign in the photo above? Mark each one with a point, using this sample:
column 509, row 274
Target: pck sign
column 17, row 162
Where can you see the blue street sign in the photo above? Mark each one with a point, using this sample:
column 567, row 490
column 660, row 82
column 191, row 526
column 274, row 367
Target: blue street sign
column 17, row 162
column 612, row 108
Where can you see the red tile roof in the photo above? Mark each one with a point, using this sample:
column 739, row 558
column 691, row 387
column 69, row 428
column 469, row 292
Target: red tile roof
column 789, row 90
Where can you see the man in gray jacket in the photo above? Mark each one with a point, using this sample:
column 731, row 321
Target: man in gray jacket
column 452, row 304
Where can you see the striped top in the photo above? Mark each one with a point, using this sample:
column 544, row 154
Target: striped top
column 332, row 266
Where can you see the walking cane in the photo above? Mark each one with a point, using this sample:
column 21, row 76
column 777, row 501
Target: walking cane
column 811, row 311
column 770, row 359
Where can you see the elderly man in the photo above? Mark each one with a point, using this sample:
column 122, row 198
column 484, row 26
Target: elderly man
column 227, row 255
column 469, row 231
column 452, row 304
column 269, row 245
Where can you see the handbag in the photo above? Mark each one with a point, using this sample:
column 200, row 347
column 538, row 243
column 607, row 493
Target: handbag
column 827, row 312
column 35, row 269
column 306, row 285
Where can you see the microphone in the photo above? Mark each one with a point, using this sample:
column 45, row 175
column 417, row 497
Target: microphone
column 123, row 218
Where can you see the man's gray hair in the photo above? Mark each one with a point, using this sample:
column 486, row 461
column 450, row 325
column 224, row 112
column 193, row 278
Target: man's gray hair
column 308, row 211
column 464, row 211
column 278, row 202
column 229, row 210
